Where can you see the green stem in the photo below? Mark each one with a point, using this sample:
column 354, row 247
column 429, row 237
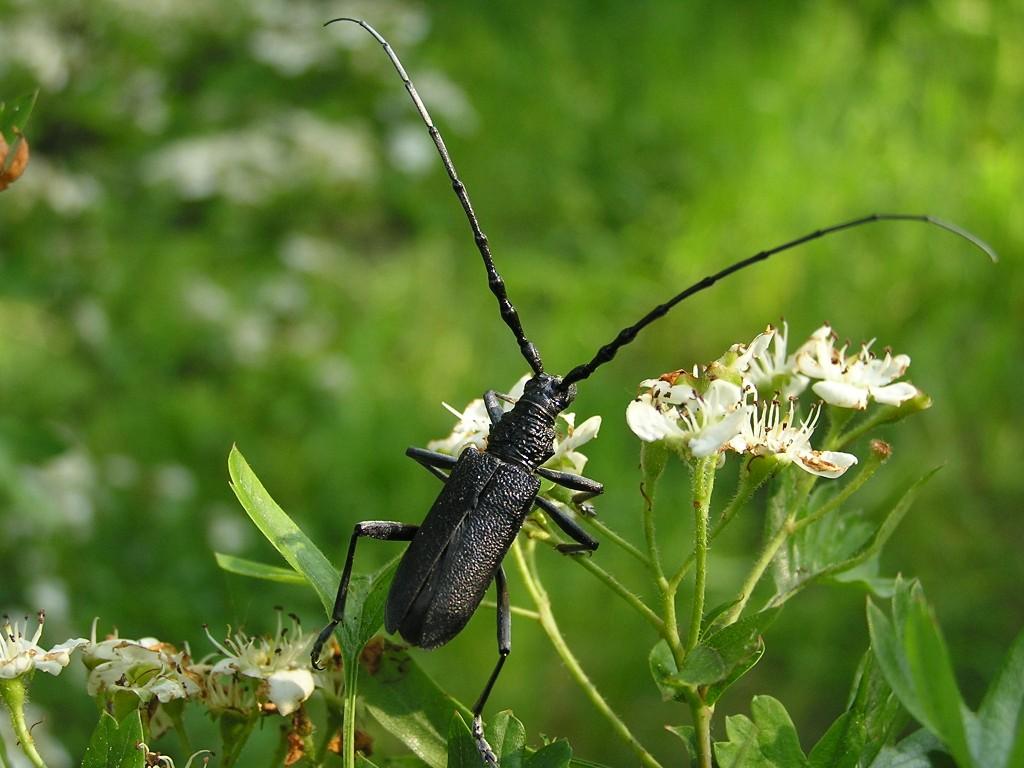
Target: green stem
column 653, row 457
column 837, row 419
column 631, row 599
column 234, row 737
column 875, row 460
column 703, row 484
column 765, row 559
column 550, row 626
column 179, row 729
column 608, row 534
column 701, row 714
column 348, row 723
column 13, row 694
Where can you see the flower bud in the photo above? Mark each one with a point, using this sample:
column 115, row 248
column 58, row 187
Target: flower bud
column 13, row 160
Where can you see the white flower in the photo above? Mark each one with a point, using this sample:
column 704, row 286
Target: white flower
column 280, row 662
column 769, row 369
column 147, row 667
column 20, row 653
column 849, row 382
column 703, row 423
column 767, row 433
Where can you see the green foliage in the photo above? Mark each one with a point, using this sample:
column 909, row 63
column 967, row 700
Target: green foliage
column 116, row 744
column 187, row 262
column 913, row 656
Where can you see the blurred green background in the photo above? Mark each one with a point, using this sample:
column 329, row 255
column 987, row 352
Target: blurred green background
column 234, row 229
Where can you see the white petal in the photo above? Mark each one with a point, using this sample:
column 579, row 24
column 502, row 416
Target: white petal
column 714, row 436
column 289, row 688
column 841, row 394
column 894, row 394
column 830, row 464
column 648, row 423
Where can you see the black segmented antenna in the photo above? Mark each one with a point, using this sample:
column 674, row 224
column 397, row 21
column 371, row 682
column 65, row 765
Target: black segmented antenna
column 494, row 280
column 626, row 335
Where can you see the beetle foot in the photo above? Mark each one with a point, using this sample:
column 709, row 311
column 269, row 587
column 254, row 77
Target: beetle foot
column 575, row 549
column 318, row 646
column 490, row 759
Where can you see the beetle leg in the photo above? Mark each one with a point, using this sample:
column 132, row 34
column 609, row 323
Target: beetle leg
column 587, row 488
column 494, row 409
column 374, row 529
column 572, row 529
column 432, row 461
column 504, row 649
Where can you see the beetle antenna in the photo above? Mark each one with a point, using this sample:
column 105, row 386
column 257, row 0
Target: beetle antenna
column 494, row 280
column 626, row 335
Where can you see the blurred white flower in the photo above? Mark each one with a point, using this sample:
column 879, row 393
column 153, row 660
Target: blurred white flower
column 849, row 382
column 768, row 433
column 20, row 653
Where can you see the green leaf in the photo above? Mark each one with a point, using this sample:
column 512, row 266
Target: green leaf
column 768, row 741
column 932, row 673
column 14, row 114
column 579, row 762
column 1001, row 716
column 257, row 570
column 912, row 752
column 557, row 754
column 664, row 671
column 688, row 735
column 115, row 745
column 364, row 610
column 737, row 648
column 913, row 657
column 507, row 738
column 406, row 702
column 840, row 543
column 462, row 751
column 362, row 762
column 287, row 538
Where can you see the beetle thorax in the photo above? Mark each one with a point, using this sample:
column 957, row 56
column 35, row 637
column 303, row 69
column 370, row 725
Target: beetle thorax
column 526, row 434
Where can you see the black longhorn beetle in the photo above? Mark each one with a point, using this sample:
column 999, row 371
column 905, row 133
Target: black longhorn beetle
column 457, row 551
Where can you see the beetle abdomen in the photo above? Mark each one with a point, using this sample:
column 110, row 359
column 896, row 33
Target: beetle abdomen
column 451, row 562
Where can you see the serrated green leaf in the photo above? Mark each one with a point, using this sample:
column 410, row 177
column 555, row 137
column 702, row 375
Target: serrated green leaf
column 1001, row 716
column 841, row 542
column 115, row 745
column 703, row 666
column 557, row 754
column 403, row 699
column 507, row 738
column 767, row 741
column 841, row 745
column 257, row 570
column 462, row 751
column 776, row 735
column 281, row 531
column 741, row 750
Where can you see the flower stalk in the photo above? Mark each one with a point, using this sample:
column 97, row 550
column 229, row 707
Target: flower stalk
column 14, row 695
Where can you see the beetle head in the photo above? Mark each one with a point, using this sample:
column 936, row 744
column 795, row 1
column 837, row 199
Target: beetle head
column 547, row 391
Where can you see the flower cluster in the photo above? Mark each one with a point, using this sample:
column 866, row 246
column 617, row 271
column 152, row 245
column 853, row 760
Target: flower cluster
column 734, row 403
